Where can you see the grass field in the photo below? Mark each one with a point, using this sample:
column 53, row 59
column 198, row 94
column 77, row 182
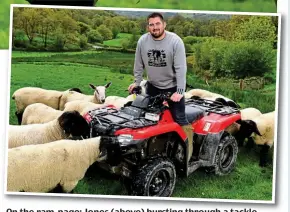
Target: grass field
column 117, row 42
column 247, row 182
column 217, row 5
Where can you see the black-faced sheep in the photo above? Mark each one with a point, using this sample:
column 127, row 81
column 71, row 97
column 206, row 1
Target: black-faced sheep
column 234, row 129
column 260, row 131
column 43, row 167
column 30, row 95
column 68, row 124
column 98, row 97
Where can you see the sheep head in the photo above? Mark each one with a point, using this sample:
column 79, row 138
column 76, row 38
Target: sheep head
column 100, row 92
column 74, row 124
column 247, row 127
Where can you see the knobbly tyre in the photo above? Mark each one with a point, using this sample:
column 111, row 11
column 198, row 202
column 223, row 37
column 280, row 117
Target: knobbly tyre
column 148, row 148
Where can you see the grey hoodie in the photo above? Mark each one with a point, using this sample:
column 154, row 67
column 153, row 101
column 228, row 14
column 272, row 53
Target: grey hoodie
column 164, row 60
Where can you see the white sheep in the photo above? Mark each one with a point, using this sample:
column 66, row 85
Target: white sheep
column 204, row 94
column 250, row 113
column 29, row 95
column 44, row 167
column 98, row 97
column 81, row 106
column 39, row 113
column 117, row 101
column 70, row 123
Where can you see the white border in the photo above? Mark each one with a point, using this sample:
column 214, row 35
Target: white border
column 137, row 197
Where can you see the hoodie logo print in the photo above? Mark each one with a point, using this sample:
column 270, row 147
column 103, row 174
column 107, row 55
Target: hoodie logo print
column 156, row 58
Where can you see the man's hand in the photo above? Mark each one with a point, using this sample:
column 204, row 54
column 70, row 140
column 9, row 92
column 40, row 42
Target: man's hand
column 176, row 97
column 131, row 87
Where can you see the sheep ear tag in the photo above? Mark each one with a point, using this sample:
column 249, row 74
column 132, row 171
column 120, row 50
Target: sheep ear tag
column 134, row 96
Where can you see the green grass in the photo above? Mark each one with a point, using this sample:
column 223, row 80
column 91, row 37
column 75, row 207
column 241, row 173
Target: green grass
column 217, row 5
column 118, row 41
column 61, row 71
column 5, row 20
column 116, row 60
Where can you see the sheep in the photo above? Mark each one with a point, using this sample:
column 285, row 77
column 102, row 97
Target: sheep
column 29, row 95
column 204, row 94
column 116, row 101
column 97, row 98
column 250, row 113
column 81, row 106
column 260, row 131
column 70, row 123
column 39, row 113
column 131, row 97
column 44, row 167
column 234, row 129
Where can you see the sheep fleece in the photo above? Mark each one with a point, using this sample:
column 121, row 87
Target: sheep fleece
column 29, row 95
column 39, row 113
column 34, row 134
column 40, row 168
column 266, row 126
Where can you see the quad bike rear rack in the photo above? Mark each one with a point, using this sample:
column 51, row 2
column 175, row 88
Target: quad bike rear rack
column 211, row 106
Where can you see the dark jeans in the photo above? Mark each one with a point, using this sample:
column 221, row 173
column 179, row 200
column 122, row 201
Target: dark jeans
column 177, row 109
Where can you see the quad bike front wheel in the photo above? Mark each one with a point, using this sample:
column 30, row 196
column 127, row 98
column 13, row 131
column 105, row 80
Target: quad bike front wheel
column 156, row 178
column 226, row 155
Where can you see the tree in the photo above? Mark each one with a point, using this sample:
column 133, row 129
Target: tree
column 47, row 24
column 95, row 37
column 66, row 29
column 257, row 28
column 105, row 32
column 132, row 42
column 83, row 28
column 29, row 22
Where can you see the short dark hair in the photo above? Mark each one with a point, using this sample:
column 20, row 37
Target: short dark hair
column 154, row 15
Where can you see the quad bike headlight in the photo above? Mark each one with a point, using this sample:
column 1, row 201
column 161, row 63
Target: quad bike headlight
column 125, row 139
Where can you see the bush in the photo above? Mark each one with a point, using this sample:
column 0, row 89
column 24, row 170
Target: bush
column 59, row 42
column 188, row 48
column 95, row 37
column 246, row 59
column 83, row 42
column 234, row 59
column 19, row 39
column 194, row 40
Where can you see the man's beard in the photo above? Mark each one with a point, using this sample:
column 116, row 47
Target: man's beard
column 159, row 34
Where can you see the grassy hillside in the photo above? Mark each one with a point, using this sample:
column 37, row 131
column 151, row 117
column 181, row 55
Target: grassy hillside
column 117, row 42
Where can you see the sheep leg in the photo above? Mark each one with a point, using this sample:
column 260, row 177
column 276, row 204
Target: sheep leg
column 19, row 117
column 250, row 144
column 69, row 186
column 264, row 155
column 57, row 189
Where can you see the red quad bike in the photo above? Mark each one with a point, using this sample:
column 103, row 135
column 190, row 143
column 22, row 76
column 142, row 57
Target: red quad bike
column 146, row 146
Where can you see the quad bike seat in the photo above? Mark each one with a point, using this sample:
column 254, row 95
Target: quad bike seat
column 193, row 113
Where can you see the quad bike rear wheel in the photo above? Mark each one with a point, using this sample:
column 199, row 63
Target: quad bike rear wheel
column 226, row 155
column 156, row 178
